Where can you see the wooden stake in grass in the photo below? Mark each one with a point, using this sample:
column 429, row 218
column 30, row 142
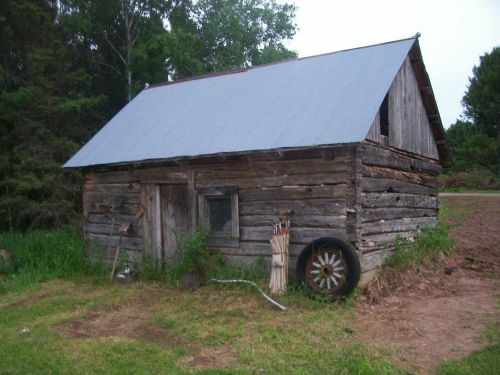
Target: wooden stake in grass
column 123, row 229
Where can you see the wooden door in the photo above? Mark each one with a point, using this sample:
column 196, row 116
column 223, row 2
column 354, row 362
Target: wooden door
column 174, row 218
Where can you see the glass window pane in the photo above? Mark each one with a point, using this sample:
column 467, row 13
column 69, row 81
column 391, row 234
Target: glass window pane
column 219, row 213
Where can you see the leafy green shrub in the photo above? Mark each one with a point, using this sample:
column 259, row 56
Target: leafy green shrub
column 194, row 256
column 431, row 243
column 474, row 179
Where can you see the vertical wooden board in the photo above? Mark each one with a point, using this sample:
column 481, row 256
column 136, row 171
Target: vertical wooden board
column 374, row 132
column 175, row 217
column 410, row 129
column 235, row 227
column 192, row 201
column 151, row 219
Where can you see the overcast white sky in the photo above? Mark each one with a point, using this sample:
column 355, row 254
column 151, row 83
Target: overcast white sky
column 454, row 34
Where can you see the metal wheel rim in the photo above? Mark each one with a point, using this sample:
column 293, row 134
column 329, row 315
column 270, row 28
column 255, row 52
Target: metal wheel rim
column 326, row 270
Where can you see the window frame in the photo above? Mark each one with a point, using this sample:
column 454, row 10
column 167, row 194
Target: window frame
column 207, row 193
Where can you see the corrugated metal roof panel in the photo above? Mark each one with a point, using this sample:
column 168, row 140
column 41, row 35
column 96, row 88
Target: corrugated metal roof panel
column 325, row 99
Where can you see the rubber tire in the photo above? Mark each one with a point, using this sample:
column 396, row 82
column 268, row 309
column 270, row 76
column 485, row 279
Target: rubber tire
column 351, row 260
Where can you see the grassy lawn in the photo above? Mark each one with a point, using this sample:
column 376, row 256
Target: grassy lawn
column 62, row 327
column 59, row 315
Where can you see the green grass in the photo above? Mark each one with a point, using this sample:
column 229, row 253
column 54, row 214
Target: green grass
column 427, row 247
column 43, row 255
column 468, row 190
column 233, row 328
column 482, row 362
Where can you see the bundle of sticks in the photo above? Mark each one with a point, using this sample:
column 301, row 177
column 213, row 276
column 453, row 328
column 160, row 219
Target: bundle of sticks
column 279, row 261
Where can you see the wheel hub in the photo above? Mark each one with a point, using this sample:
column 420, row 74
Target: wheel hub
column 326, row 270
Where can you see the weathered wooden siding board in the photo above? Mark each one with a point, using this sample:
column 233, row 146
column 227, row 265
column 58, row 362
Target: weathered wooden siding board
column 293, row 193
column 374, row 132
column 174, row 218
column 323, row 207
column 398, row 225
column 385, row 185
column 381, row 200
column 106, row 208
column 420, row 178
column 390, row 213
column 297, row 235
column 409, row 127
column 311, row 221
column 382, row 157
column 379, row 241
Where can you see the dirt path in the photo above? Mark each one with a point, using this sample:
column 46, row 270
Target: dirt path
column 436, row 316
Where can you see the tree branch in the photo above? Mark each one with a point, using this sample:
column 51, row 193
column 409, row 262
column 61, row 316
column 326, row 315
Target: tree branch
column 113, row 68
column 116, row 50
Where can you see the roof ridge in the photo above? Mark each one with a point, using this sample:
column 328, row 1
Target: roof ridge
column 242, row 70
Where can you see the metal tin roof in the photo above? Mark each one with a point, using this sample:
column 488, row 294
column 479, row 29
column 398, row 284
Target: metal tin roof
column 319, row 100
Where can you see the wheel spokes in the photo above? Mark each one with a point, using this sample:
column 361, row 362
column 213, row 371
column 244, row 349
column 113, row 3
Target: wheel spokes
column 327, row 269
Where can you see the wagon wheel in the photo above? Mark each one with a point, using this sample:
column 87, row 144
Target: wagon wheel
column 329, row 266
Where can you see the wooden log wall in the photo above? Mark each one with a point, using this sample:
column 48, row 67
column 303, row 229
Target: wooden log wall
column 398, row 197
column 106, row 206
column 311, row 184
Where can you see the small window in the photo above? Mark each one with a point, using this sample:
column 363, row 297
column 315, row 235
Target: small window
column 384, row 117
column 219, row 214
column 218, row 210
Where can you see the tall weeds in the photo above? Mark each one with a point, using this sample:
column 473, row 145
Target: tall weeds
column 44, row 254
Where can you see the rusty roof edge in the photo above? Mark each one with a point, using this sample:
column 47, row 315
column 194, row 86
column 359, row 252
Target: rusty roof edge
column 228, row 154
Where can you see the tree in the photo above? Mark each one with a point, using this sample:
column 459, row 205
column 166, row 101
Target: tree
column 473, row 149
column 475, row 140
column 45, row 103
column 241, row 33
column 67, row 66
column 482, row 99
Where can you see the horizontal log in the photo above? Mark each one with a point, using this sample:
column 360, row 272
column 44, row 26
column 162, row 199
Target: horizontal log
column 419, row 178
column 385, row 240
column 372, row 261
column 311, row 221
column 297, row 235
column 108, row 218
column 135, row 229
column 398, row 225
column 293, row 192
column 108, row 208
column 375, row 200
column 389, row 213
column 161, row 175
column 273, row 181
column 376, row 156
column 121, row 188
column 112, row 197
column 320, row 207
column 384, row 185
column 104, row 241
column 256, row 249
column 270, row 168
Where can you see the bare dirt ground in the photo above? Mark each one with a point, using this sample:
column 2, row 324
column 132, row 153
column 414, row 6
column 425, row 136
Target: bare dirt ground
column 430, row 316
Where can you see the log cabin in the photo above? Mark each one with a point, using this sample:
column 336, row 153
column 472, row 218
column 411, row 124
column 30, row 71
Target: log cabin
column 349, row 143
